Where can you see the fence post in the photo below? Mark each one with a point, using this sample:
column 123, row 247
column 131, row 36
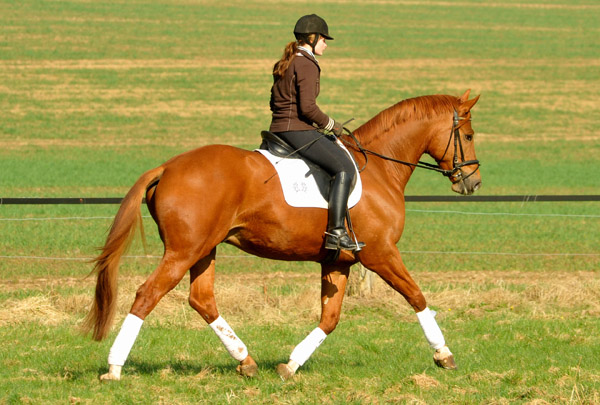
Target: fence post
column 360, row 281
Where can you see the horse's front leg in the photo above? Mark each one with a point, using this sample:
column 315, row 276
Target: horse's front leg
column 393, row 271
column 333, row 285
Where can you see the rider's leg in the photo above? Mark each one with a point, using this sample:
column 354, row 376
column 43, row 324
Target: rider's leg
column 326, row 153
column 336, row 236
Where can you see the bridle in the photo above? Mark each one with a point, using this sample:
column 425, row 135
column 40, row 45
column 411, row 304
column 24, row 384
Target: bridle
column 455, row 174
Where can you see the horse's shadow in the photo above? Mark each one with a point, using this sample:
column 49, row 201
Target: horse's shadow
column 178, row 368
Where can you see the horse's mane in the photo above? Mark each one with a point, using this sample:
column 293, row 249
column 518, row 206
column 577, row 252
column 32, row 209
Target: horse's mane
column 418, row 108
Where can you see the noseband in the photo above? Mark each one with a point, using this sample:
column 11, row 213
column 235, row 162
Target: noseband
column 455, row 174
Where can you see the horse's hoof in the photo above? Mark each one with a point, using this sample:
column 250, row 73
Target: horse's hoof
column 108, row 377
column 247, row 370
column 114, row 374
column 247, row 367
column 444, row 358
column 285, row 372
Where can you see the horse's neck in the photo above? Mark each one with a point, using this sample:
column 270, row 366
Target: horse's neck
column 406, row 142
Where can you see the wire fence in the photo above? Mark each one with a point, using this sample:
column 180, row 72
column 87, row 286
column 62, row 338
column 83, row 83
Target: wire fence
column 414, row 198
column 538, row 198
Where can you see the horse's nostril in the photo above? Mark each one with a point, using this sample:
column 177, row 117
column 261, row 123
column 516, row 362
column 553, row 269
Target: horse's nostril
column 477, row 186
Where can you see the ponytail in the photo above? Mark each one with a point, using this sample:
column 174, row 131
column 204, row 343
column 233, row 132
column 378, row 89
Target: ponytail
column 289, row 53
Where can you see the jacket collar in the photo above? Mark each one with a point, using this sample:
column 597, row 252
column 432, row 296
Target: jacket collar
column 309, row 56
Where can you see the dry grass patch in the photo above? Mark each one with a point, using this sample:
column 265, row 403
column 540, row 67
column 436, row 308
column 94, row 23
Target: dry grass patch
column 277, row 297
column 490, row 376
column 374, row 68
column 467, row 4
column 113, row 140
column 39, row 309
column 247, row 65
column 542, row 294
column 424, row 381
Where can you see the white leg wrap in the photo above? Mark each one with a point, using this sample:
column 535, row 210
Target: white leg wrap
column 236, row 348
column 124, row 341
column 432, row 331
column 308, row 346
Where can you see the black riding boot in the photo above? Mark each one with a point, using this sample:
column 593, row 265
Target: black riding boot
column 336, row 236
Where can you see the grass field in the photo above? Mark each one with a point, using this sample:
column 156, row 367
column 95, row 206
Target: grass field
column 92, row 94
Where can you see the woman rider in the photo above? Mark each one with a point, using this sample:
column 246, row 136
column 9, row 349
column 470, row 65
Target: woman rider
column 296, row 118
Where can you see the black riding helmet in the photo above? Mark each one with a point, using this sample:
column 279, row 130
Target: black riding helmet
column 311, row 24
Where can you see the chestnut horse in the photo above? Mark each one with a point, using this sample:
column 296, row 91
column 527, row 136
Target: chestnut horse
column 220, row 193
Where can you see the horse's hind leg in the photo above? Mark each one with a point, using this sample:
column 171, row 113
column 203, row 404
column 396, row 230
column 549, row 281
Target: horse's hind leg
column 202, row 299
column 167, row 275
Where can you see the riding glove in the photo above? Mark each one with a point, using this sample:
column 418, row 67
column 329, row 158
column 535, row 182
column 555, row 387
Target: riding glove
column 338, row 128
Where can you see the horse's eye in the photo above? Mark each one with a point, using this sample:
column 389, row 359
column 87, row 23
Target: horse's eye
column 469, row 138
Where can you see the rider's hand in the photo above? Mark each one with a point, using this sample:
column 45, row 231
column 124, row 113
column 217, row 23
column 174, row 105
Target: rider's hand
column 338, row 128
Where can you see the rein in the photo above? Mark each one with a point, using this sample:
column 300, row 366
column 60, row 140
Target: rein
column 455, row 174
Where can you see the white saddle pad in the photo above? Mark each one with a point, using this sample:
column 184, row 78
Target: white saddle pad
column 301, row 190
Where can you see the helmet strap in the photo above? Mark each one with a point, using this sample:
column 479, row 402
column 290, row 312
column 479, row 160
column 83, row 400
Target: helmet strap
column 305, row 38
column 313, row 44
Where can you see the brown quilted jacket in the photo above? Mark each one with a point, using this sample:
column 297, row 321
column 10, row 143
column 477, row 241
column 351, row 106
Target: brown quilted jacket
column 294, row 97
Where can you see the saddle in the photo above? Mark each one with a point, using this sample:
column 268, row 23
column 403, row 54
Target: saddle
column 300, row 194
column 280, row 148
column 276, row 145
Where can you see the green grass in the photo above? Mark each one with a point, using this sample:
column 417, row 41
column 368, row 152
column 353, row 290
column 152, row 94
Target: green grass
column 543, row 359
column 437, row 237
column 93, row 94
column 145, row 81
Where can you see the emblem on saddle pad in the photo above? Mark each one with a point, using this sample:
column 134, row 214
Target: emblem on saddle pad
column 304, row 184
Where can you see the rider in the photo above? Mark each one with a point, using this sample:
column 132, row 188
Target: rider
column 296, row 118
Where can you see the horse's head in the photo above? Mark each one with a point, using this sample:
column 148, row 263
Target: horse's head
column 454, row 148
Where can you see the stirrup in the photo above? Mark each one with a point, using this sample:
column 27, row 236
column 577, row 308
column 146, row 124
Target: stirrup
column 336, row 239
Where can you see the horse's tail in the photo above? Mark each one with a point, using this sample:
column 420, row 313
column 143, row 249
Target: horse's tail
column 102, row 313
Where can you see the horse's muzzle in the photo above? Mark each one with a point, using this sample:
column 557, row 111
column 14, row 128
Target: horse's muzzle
column 467, row 186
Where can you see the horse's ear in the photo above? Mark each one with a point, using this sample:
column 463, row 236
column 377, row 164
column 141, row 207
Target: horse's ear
column 466, row 105
column 465, row 96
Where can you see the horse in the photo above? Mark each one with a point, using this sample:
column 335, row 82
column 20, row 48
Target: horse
column 220, row 193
